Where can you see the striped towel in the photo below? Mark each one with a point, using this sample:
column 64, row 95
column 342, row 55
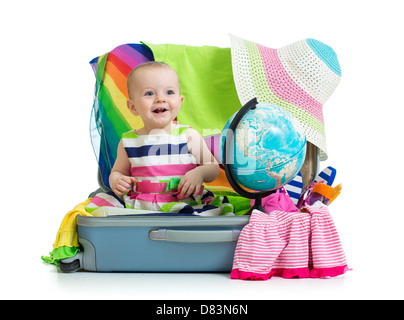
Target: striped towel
column 294, row 188
column 110, row 117
column 327, row 175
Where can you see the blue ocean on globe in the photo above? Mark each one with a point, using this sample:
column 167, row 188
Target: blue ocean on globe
column 267, row 150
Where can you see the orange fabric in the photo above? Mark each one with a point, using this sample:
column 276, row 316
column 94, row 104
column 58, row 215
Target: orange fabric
column 221, row 181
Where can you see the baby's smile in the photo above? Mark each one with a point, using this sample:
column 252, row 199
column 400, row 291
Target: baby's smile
column 160, row 110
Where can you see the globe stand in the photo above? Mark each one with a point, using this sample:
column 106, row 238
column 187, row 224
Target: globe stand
column 252, row 104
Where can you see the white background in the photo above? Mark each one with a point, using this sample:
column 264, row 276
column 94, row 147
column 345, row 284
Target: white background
column 48, row 166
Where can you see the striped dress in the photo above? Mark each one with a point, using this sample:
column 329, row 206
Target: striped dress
column 158, row 162
column 289, row 245
column 161, row 160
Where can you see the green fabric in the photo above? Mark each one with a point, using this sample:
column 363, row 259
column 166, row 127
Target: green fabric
column 167, row 206
column 172, row 184
column 60, row 253
column 241, row 205
column 207, row 84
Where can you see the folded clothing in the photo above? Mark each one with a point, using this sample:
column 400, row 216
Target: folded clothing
column 289, row 245
column 66, row 244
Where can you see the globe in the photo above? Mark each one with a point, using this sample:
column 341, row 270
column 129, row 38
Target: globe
column 264, row 148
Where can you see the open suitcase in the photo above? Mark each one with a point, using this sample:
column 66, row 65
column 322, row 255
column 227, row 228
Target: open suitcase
column 158, row 242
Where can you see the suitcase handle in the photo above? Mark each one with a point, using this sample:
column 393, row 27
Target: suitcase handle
column 194, row 236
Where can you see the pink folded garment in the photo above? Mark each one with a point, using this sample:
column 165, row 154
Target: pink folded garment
column 289, row 245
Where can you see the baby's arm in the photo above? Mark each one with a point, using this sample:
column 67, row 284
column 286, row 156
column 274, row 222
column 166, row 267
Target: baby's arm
column 120, row 179
column 208, row 168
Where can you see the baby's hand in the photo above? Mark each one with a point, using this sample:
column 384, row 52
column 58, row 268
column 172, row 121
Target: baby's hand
column 191, row 183
column 122, row 185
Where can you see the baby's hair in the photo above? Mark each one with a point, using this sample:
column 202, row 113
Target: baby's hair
column 149, row 64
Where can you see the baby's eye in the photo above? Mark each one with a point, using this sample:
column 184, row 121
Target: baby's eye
column 169, row 92
column 148, row 93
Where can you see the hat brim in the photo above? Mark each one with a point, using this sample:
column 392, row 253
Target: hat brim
column 284, row 77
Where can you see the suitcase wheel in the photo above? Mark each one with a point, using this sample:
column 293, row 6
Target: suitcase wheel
column 72, row 266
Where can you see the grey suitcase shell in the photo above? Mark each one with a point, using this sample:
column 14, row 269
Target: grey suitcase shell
column 156, row 243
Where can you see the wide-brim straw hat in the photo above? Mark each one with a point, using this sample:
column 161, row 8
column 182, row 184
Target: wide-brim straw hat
column 299, row 77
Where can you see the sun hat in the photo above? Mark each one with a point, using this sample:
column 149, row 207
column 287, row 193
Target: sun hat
column 299, row 77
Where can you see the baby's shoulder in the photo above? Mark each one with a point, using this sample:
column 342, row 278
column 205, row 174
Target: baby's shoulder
column 191, row 132
column 194, row 138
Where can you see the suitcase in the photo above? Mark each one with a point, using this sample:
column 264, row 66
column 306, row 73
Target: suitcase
column 148, row 243
column 156, row 243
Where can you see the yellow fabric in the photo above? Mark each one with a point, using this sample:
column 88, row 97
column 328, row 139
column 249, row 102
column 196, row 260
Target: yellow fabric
column 67, row 233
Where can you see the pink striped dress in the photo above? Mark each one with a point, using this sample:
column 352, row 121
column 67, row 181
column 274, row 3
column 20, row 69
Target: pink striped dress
column 289, row 245
column 158, row 162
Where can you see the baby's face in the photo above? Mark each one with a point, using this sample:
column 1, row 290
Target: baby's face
column 156, row 97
